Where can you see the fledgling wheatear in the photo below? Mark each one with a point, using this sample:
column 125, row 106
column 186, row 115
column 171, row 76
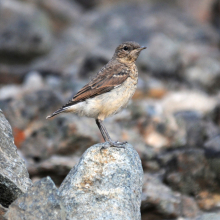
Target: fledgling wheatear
column 109, row 91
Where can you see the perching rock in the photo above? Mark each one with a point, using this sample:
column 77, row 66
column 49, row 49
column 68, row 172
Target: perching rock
column 106, row 184
column 14, row 179
column 40, row 202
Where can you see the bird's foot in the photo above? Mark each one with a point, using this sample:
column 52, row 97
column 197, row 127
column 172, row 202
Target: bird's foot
column 115, row 144
column 119, row 143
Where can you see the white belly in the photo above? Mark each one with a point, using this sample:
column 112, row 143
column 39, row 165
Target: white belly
column 108, row 103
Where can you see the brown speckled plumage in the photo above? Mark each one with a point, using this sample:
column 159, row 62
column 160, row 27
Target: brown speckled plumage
column 110, row 76
column 110, row 90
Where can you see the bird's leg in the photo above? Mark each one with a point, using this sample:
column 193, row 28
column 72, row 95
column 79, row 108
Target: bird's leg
column 106, row 136
column 103, row 131
column 110, row 140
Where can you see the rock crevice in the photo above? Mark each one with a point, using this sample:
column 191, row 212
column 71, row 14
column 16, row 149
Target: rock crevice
column 14, row 178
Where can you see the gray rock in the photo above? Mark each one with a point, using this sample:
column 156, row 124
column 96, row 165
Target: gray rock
column 189, row 207
column 88, row 4
column 162, row 198
column 91, row 64
column 166, row 63
column 188, row 171
column 119, row 23
column 212, row 152
column 164, row 201
column 12, row 74
column 74, row 44
column 40, row 103
column 24, row 31
column 212, row 147
column 106, row 184
column 209, row 69
column 2, row 212
column 40, row 202
column 57, row 167
column 62, row 11
column 193, row 126
column 209, row 216
column 215, row 18
column 14, row 178
column 62, row 135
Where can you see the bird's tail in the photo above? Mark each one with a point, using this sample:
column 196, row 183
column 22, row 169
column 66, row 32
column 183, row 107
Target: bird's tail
column 57, row 112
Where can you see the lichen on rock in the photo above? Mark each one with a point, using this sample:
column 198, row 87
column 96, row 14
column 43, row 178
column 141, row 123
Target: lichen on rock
column 106, row 184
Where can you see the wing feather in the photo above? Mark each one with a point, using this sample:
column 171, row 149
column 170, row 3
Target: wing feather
column 106, row 80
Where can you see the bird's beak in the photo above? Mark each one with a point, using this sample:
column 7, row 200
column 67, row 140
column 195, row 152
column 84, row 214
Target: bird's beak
column 140, row 49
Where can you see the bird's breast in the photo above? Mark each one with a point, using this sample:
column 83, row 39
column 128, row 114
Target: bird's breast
column 117, row 99
column 108, row 103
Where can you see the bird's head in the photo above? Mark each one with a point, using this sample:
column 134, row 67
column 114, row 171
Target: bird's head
column 128, row 52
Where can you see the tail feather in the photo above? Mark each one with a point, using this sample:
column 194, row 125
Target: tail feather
column 56, row 112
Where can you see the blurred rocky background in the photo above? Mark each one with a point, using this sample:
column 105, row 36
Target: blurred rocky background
column 50, row 49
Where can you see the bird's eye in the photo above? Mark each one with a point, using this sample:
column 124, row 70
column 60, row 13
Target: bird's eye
column 125, row 48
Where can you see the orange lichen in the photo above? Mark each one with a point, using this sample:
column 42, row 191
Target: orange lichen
column 19, row 136
column 208, row 201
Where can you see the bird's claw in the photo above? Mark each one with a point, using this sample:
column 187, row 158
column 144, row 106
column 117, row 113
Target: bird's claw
column 114, row 144
column 122, row 143
column 117, row 144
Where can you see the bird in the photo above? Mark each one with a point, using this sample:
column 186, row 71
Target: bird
column 109, row 91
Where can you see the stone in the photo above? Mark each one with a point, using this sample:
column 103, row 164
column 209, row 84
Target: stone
column 193, row 126
column 12, row 73
column 14, row 178
column 57, row 167
column 160, row 197
column 188, row 100
column 208, row 216
column 40, row 103
column 200, row 9
column 215, row 18
column 63, row 135
column 10, row 91
column 164, row 201
column 24, row 32
column 3, row 210
column 212, row 152
column 88, row 4
column 106, row 184
column 117, row 26
column 189, row 207
column 209, row 69
column 42, row 201
column 166, row 63
column 91, row 65
column 158, row 129
column 208, row 201
column 212, row 147
column 33, row 81
column 176, row 120
column 61, row 11
column 188, row 171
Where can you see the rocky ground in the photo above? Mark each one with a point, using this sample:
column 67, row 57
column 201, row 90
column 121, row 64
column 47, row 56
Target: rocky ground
column 49, row 50
column 105, row 184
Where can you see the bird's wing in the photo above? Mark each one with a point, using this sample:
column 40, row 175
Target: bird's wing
column 109, row 77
